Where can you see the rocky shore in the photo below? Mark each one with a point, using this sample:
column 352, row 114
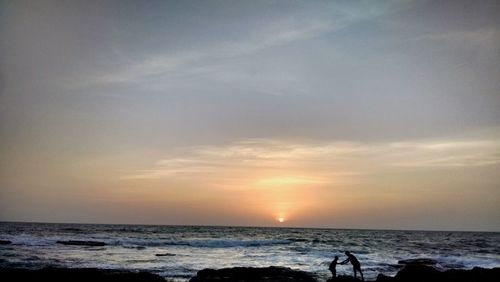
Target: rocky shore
column 421, row 273
column 268, row 274
column 50, row 274
column 410, row 273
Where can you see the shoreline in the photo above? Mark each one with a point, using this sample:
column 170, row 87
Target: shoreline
column 409, row 273
column 178, row 253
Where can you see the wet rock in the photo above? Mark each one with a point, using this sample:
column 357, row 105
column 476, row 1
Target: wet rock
column 418, row 261
column 243, row 274
column 5, row 242
column 476, row 274
column 344, row 278
column 165, row 255
column 384, row 278
column 76, row 275
column 410, row 273
column 71, row 229
column 82, row 243
column 421, row 273
column 416, row 273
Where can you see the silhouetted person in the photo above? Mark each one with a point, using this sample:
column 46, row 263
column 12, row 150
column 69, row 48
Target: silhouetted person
column 356, row 266
column 333, row 267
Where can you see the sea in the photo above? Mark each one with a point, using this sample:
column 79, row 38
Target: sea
column 178, row 252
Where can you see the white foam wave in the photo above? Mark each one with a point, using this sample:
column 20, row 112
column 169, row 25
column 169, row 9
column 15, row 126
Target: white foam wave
column 199, row 243
column 30, row 240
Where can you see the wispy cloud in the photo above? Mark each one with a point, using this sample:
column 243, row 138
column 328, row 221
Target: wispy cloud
column 280, row 31
column 484, row 39
column 275, row 34
column 268, row 162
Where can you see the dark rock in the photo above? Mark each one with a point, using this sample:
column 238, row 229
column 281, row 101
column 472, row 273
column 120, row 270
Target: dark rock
column 82, row 243
column 384, row 278
column 414, row 273
column 343, row 278
column 395, row 266
column 165, row 255
column 476, row 274
column 76, row 275
column 487, row 275
column 71, row 229
column 243, row 274
column 418, row 261
column 5, row 242
column 410, row 273
column 458, row 275
column 422, row 273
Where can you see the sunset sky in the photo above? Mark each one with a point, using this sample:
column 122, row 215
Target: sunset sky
column 341, row 114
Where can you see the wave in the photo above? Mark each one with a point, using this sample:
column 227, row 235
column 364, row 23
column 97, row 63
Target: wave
column 236, row 243
column 200, row 243
column 141, row 243
column 30, row 240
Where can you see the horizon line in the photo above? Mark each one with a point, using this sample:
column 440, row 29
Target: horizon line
column 251, row 226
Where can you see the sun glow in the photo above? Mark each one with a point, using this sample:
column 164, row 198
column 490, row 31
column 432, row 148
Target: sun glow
column 281, row 219
column 284, row 181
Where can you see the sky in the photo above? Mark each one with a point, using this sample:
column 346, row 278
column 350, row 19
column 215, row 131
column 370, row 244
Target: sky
column 337, row 114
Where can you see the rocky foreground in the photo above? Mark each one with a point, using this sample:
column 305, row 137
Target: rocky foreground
column 268, row 274
column 421, row 273
column 410, row 273
column 50, row 274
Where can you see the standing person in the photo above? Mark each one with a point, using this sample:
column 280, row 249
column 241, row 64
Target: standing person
column 356, row 266
column 333, row 267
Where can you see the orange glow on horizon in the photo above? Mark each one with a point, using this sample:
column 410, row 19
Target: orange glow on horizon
column 287, row 181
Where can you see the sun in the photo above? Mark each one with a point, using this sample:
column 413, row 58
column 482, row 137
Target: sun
column 281, row 219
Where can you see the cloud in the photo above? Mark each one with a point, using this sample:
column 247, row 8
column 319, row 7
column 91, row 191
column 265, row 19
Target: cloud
column 483, row 39
column 284, row 29
column 273, row 162
column 277, row 33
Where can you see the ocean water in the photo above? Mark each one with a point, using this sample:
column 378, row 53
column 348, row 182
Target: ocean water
column 188, row 249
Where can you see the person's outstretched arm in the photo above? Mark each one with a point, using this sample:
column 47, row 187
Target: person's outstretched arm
column 345, row 261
